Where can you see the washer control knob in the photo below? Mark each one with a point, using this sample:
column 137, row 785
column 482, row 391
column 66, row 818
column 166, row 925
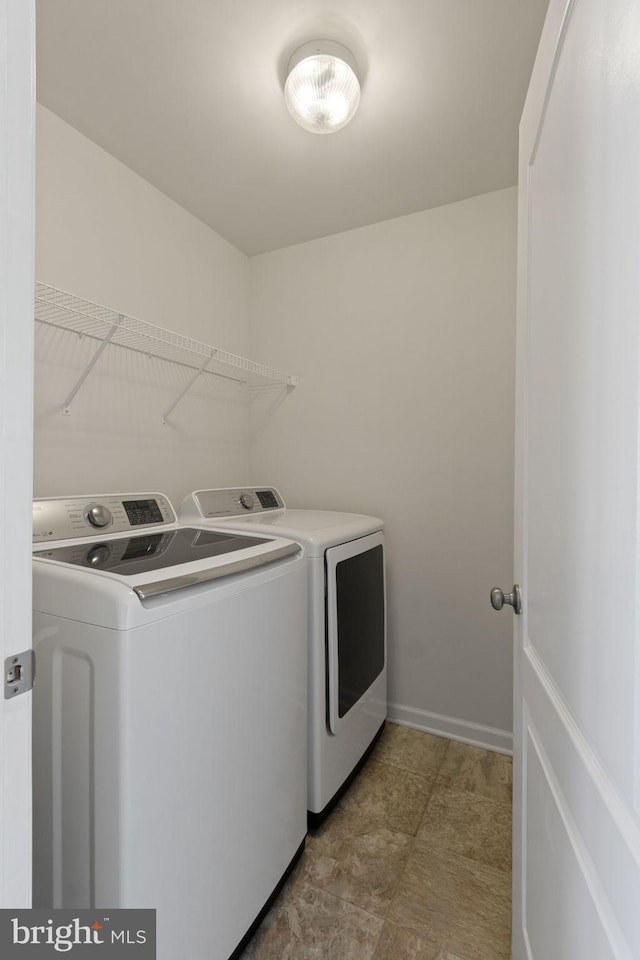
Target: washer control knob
column 98, row 516
column 246, row 500
column 98, row 556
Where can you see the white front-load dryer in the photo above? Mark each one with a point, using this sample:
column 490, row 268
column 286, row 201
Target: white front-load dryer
column 169, row 718
column 347, row 655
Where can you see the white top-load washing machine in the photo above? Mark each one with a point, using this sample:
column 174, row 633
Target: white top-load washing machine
column 169, row 717
column 344, row 554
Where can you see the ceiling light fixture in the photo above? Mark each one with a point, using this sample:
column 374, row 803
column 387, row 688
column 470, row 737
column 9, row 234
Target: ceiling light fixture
column 322, row 91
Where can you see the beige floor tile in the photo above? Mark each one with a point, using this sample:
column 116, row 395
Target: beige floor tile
column 400, row 943
column 388, row 795
column 470, row 825
column 445, row 954
column 310, row 924
column 455, row 901
column 411, row 750
column 471, row 769
column 357, row 860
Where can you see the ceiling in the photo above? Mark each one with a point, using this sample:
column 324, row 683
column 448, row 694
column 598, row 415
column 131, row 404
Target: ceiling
column 188, row 93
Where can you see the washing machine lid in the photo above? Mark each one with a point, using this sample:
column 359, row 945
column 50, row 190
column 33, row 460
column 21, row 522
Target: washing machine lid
column 154, row 550
column 244, row 508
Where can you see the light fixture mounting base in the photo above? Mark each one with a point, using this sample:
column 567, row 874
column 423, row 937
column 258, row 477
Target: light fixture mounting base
column 329, row 48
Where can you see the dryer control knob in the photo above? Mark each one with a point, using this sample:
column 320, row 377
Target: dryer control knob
column 246, row 500
column 98, row 516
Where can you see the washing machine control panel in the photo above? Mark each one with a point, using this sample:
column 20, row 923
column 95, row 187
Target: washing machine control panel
column 235, row 501
column 98, row 515
column 64, row 518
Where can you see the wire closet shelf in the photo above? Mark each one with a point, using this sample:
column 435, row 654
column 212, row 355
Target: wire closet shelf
column 58, row 308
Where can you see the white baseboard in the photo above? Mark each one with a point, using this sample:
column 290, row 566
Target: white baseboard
column 500, row 741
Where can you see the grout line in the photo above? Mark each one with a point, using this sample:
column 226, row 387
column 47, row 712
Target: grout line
column 410, row 773
column 377, row 943
column 460, row 792
column 452, row 857
column 336, row 896
column 400, row 879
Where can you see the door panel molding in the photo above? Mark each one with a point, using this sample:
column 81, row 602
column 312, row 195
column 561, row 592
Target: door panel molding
column 573, row 893
column 545, row 92
column 550, row 49
column 541, row 691
column 594, row 816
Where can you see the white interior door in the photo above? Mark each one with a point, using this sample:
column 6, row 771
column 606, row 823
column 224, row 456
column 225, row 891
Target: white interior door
column 17, row 34
column 577, row 700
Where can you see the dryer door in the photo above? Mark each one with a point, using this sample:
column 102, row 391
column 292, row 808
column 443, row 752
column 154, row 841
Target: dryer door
column 356, row 624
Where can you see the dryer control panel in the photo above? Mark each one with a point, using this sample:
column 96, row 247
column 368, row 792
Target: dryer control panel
column 234, row 502
column 64, row 518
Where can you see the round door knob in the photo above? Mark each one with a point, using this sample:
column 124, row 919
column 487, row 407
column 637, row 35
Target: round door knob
column 246, row 500
column 513, row 599
column 98, row 516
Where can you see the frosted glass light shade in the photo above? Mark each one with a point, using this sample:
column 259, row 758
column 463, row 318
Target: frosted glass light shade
column 322, row 91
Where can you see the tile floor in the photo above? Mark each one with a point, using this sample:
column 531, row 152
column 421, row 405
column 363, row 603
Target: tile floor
column 413, row 864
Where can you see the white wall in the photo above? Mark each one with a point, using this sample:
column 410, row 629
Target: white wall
column 403, row 334
column 106, row 235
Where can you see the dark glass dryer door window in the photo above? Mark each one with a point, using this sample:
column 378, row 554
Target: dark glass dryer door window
column 355, row 622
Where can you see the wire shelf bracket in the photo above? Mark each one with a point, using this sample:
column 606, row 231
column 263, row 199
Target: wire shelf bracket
column 201, row 369
column 63, row 310
column 66, row 406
